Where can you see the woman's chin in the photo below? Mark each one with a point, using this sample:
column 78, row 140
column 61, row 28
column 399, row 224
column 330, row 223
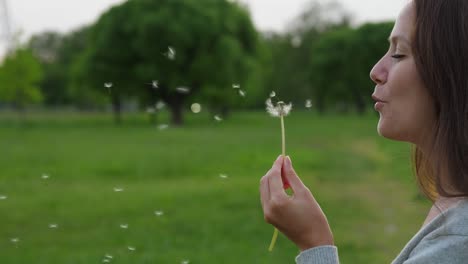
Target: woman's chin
column 386, row 131
column 391, row 132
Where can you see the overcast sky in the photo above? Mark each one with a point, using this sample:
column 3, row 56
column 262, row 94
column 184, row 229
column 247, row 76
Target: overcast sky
column 33, row 16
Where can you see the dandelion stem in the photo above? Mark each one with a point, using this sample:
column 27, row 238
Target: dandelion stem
column 283, row 136
column 283, row 141
column 273, row 240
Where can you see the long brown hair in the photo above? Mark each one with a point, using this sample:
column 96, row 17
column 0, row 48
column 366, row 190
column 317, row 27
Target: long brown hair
column 440, row 50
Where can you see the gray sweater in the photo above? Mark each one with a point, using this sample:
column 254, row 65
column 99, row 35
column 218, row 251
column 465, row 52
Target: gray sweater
column 443, row 240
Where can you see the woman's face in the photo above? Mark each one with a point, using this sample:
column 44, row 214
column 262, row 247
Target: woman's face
column 407, row 110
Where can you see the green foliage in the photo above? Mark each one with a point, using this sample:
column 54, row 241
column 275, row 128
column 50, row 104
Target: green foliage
column 340, row 64
column 57, row 54
column 20, row 75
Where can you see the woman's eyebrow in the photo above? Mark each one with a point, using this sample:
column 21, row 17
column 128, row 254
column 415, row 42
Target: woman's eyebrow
column 394, row 39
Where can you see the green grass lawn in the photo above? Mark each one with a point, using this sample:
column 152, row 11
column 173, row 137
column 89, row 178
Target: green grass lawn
column 363, row 182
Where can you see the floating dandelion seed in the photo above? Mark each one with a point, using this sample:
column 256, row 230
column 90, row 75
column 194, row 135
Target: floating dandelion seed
column 218, row 118
column 236, row 86
column 280, row 110
column 160, row 105
column 3, row 197
column 14, row 240
column 158, row 213
column 183, row 90
column 272, row 94
column 105, row 260
column 296, row 42
column 155, row 84
column 171, row 53
column 108, row 256
column 118, row 189
column 223, row 176
column 108, row 85
column 308, row 103
column 53, row 226
column 242, row 93
column 391, row 229
column 196, row 108
column 185, row 261
column 131, row 248
column 124, row 226
column 163, row 126
column 45, row 176
column 150, row 110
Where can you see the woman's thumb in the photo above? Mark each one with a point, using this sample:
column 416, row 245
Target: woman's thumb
column 290, row 175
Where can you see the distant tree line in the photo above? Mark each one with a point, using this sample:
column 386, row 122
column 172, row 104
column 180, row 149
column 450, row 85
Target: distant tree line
column 173, row 53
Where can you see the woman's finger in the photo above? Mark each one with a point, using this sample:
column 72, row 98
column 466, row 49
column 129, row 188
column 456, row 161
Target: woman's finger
column 274, row 178
column 264, row 190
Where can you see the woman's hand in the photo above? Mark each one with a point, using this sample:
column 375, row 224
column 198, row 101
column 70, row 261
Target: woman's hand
column 299, row 216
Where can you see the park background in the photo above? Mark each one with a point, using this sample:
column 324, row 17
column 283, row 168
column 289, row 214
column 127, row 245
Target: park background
column 141, row 137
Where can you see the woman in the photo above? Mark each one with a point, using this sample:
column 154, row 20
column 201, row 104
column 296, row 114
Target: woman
column 421, row 95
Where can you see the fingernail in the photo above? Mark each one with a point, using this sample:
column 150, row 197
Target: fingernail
column 279, row 157
column 288, row 161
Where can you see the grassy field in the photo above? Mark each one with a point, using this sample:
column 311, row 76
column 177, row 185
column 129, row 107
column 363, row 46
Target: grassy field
column 363, row 183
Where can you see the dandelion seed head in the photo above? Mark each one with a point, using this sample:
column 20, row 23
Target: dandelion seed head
column 118, row 189
column 158, row 213
column 183, row 90
column 281, row 109
column 218, row 118
column 196, row 108
column 271, row 109
column 124, row 226
column 3, row 197
column 236, row 86
column 308, row 103
column 272, row 94
column 242, row 93
column 131, row 248
column 163, row 126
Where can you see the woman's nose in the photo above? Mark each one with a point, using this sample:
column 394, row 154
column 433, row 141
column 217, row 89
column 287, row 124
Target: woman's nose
column 378, row 73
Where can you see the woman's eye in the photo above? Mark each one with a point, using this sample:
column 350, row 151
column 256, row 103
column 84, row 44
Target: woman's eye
column 398, row 56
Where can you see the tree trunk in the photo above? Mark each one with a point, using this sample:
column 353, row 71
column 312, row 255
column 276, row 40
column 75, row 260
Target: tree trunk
column 225, row 112
column 359, row 102
column 177, row 118
column 153, row 118
column 117, row 109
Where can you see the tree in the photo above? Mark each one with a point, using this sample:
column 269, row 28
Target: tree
column 290, row 63
column 340, row 64
column 195, row 49
column 20, row 75
column 56, row 52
